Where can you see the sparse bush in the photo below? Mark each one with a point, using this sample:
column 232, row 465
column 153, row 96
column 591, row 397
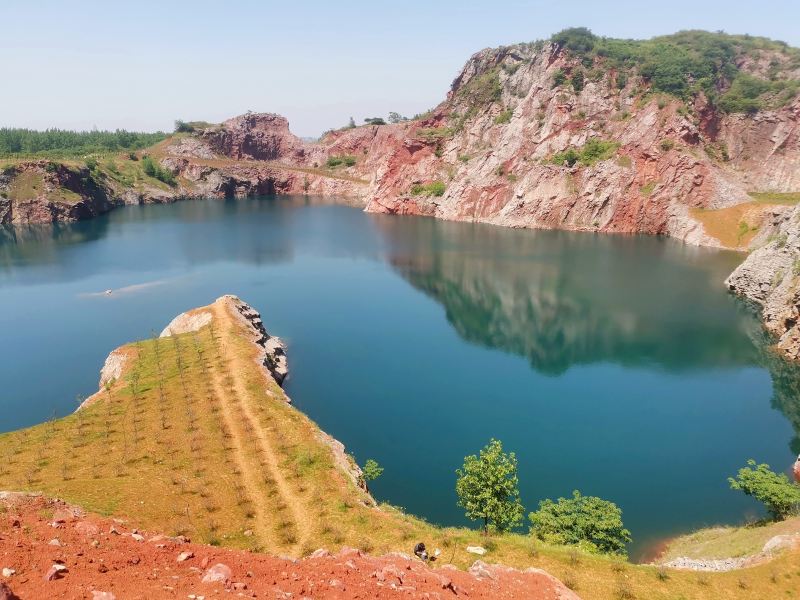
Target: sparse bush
column 504, row 117
column 153, row 169
column 593, row 151
column 559, row 78
column 338, row 161
column 435, row 188
column 666, row 145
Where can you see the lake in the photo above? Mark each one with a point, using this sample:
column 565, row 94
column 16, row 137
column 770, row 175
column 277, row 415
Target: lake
column 616, row 365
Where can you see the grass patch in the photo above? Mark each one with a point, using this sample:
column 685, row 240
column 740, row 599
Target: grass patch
column 435, row 188
column 787, row 198
column 504, row 117
column 593, row 151
column 344, row 160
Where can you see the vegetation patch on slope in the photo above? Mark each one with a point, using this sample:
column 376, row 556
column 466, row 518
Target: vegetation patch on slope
column 689, row 62
column 62, row 143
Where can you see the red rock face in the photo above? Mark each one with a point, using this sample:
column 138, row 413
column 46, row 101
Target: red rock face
column 63, row 193
column 255, row 136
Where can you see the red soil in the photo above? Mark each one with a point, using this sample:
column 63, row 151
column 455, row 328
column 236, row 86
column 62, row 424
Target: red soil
column 104, row 555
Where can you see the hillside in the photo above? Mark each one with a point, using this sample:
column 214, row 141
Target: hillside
column 191, row 434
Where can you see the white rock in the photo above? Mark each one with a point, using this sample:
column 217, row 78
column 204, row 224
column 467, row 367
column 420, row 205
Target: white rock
column 8, row 572
column 476, row 550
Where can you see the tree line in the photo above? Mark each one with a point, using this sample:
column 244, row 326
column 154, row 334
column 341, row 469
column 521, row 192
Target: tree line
column 68, row 142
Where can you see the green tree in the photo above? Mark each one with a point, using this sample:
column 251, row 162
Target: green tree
column 592, row 523
column 779, row 495
column 395, row 117
column 372, row 470
column 487, row 488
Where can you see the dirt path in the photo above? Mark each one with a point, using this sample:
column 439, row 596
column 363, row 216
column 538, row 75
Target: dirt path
column 249, row 471
column 241, row 399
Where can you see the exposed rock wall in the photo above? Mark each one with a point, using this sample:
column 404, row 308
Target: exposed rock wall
column 769, row 277
column 47, row 192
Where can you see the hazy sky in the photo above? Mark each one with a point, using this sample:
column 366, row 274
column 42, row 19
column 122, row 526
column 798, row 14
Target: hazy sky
column 142, row 64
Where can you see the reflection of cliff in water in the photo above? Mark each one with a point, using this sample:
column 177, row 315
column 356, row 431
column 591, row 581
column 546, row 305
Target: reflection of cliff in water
column 561, row 299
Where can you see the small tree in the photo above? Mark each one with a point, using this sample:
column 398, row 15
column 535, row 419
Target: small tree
column 372, row 470
column 586, row 521
column 395, row 117
column 351, row 124
column 487, row 488
column 779, row 495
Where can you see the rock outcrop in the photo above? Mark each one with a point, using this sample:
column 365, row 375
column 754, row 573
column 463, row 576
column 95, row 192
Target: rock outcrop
column 769, row 277
column 45, row 191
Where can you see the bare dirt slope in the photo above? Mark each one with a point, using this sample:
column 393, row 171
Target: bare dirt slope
column 101, row 559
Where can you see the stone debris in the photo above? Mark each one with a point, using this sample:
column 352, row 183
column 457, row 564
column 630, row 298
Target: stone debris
column 56, row 572
column 218, row 573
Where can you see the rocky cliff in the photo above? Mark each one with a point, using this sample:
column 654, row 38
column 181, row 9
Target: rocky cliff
column 46, row 191
column 769, row 277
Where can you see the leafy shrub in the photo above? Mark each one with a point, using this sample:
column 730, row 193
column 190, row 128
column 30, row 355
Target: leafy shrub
column 183, row 127
column 577, row 81
column 504, row 117
column 578, row 40
column 153, row 169
column 372, row 470
column 483, row 89
column 585, row 521
column 434, row 133
column 337, row 161
column 666, row 145
column 559, row 78
column 593, row 151
column 779, row 495
column 435, row 188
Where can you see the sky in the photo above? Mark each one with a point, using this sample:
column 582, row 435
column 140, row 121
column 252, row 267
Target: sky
column 140, row 65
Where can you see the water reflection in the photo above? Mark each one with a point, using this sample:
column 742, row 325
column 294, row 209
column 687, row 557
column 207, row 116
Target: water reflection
column 560, row 300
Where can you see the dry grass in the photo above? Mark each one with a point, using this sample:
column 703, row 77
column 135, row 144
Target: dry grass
column 196, row 439
column 26, row 186
column 724, row 542
column 736, row 226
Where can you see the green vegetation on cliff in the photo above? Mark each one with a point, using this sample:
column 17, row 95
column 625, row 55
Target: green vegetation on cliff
column 689, row 62
column 593, row 151
column 64, row 143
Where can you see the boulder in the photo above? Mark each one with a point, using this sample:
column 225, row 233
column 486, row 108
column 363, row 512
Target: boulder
column 219, row 573
column 56, row 572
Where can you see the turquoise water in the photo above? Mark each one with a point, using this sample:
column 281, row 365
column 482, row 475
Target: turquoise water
column 615, row 365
